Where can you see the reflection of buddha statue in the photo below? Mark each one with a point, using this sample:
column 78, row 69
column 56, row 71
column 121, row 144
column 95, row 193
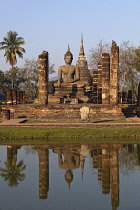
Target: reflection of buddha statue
column 70, row 72
column 68, row 161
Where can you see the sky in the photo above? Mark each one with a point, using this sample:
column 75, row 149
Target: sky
column 53, row 24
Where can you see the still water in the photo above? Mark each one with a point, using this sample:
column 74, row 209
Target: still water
column 64, row 177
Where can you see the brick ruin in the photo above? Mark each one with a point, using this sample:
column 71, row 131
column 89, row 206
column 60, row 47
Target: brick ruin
column 100, row 92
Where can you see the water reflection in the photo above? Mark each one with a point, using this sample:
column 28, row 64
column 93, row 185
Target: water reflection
column 12, row 173
column 109, row 160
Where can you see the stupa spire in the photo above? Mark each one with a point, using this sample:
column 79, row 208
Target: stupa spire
column 81, row 53
column 68, row 50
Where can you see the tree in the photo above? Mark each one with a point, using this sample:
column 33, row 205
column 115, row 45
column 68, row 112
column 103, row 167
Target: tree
column 128, row 68
column 30, row 74
column 129, row 63
column 11, row 44
column 95, row 55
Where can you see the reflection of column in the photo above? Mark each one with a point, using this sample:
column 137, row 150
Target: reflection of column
column 105, row 170
column 95, row 158
column 12, row 153
column 130, row 148
column 43, row 173
column 99, row 164
column 138, row 150
column 114, row 176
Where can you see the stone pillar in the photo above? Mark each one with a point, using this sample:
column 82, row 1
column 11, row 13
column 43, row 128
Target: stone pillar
column 18, row 100
column 43, row 78
column 120, row 97
column 43, row 173
column 114, row 176
column 5, row 114
column 129, row 97
column 105, row 78
column 9, row 98
column 114, row 69
column 14, row 95
column 138, row 99
column 94, row 94
column 124, row 97
column 23, row 95
column 20, row 97
column 99, row 83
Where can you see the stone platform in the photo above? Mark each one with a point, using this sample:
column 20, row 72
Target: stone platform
column 64, row 111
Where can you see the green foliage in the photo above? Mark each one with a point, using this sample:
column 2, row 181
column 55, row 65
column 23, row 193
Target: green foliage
column 12, row 173
column 51, row 87
column 11, row 44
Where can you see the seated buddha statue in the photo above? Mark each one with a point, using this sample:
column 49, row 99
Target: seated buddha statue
column 71, row 73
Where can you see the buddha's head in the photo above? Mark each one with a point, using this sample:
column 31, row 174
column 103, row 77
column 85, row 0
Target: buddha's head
column 68, row 57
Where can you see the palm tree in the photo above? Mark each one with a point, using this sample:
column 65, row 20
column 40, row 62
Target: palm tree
column 11, row 44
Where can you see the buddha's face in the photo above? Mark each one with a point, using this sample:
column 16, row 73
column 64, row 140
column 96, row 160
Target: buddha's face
column 68, row 59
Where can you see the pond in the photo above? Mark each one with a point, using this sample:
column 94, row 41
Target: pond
column 70, row 176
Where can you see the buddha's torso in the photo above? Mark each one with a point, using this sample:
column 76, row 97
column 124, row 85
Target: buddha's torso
column 69, row 72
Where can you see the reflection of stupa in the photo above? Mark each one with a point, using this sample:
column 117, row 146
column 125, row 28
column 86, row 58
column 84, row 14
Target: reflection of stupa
column 69, row 177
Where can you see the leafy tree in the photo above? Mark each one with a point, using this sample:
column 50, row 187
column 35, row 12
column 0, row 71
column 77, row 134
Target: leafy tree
column 129, row 63
column 128, row 68
column 95, row 55
column 15, row 75
column 11, row 44
column 30, row 73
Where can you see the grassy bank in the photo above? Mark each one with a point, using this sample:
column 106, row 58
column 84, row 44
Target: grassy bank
column 67, row 133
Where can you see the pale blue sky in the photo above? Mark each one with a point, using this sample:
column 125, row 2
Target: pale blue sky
column 53, row 24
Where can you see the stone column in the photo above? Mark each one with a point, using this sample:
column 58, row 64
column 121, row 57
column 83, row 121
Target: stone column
column 20, row 97
column 105, row 78
column 14, row 95
column 114, row 69
column 43, row 65
column 95, row 77
column 5, row 114
column 138, row 99
column 124, row 97
column 99, row 83
column 9, row 98
column 129, row 97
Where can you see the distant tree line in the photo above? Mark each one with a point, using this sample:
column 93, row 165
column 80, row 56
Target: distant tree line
column 23, row 78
